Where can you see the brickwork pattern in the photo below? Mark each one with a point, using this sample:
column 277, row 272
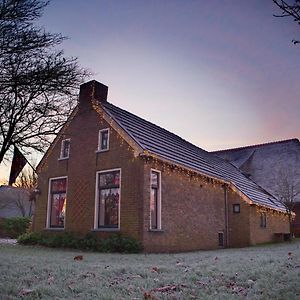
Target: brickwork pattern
column 81, row 168
column 238, row 223
column 276, row 223
column 193, row 212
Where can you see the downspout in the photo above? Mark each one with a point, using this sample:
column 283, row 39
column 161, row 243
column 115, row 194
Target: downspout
column 226, row 215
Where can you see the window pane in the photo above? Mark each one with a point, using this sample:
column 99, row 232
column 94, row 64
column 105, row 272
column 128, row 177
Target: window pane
column 58, row 202
column 109, row 199
column 236, row 208
column 263, row 220
column 111, row 179
column 66, row 148
column 154, row 179
column 109, row 207
column 58, row 210
column 154, row 208
column 221, row 239
column 104, row 140
column 58, row 185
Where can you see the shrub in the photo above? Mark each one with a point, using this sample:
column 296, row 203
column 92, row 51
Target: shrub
column 53, row 241
column 119, row 243
column 89, row 242
column 115, row 243
column 68, row 240
column 31, row 238
column 14, row 227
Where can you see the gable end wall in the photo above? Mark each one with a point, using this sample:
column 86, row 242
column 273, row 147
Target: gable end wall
column 81, row 168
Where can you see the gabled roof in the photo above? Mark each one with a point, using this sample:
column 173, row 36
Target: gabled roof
column 165, row 145
column 268, row 164
column 263, row 145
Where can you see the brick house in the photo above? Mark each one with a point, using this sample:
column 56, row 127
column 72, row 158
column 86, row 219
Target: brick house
column 110, row 171
column 275, row 166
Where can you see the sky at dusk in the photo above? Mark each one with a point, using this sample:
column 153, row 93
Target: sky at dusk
column 220, row 74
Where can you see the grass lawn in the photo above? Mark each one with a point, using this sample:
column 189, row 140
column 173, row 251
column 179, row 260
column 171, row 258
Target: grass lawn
column 263, row 272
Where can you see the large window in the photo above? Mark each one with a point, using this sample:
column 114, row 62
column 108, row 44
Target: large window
column 103, row 143
column 109, row 199
column 57, row 202
column 65, row 149
column 155, row 201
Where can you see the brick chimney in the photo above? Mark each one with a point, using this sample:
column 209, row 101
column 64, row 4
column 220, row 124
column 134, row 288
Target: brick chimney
column 92, row 90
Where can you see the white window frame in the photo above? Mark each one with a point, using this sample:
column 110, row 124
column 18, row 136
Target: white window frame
column 96, row 214
column 99, row 140
column 49, row 204
column 263, row 220
column 159, row 227
column 62, row 149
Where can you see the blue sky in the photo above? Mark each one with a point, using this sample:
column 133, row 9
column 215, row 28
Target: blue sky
column 218, row 73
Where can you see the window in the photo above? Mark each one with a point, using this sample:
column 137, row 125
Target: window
column 65, row 149
column 57, row 202
column 155, row 201
column 236, row 208
column 221, row 239
column 108, row 199
column 263, row 220
column 103, row 143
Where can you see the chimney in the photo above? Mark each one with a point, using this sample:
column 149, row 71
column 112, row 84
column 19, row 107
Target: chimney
column 92, row 90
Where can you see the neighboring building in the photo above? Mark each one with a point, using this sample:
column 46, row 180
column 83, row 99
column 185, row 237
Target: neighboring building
column 274, row 166
column 15, row 202
column 110, row 171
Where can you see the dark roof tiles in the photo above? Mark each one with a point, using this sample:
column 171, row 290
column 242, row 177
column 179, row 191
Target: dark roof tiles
column 173, row 148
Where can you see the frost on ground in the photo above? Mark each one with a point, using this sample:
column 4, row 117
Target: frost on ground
column 264, row 272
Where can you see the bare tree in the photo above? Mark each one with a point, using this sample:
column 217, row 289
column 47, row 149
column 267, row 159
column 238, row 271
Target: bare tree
column 287, row 190
column 27, row 180
column 16, row 201
column 289, row 9
column 38, row 84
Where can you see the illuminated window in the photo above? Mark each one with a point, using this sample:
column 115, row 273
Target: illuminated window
column 65, row 149
column 57, row 202
column 109, row 199
column 155, row 201
column 263, row 220
column 103, row 143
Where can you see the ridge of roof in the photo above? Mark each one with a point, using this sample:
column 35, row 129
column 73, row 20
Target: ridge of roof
column 256, row 145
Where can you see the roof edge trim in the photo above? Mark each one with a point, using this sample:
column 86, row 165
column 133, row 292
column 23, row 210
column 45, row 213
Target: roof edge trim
column 146, row 153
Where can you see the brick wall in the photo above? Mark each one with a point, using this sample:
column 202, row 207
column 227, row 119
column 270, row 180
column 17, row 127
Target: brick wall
column 192, row 212
column 81, row 168
column 276, row 223
column 238, row 223
column 244, row 227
